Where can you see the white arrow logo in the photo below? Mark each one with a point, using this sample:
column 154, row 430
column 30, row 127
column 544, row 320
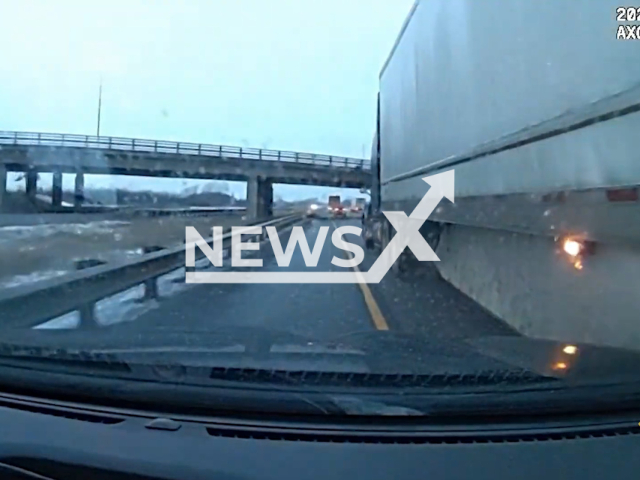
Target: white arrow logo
column 407, row 235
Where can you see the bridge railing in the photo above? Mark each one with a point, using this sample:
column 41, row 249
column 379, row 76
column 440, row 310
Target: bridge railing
column 182, row 148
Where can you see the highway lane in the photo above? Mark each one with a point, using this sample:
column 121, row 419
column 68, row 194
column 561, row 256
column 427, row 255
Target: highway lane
column 313, row 310
column 420, row 306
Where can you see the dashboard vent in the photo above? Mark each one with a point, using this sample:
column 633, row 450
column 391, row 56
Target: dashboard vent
column 418, row 438
column 67, row 413
column 285, row 377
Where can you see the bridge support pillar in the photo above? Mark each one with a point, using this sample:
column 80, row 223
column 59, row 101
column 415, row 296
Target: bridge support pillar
column 3, row 184
column 259, row 197
column 56, row 189
column 31, row 184
column 78, row 197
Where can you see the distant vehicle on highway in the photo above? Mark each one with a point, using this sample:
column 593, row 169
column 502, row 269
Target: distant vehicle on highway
column 339, row 211
column 356, row 210
column 318, row 210
column 313, row 210
column 336, row 209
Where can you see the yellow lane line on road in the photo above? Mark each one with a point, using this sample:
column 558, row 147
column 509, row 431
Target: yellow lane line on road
column 374, row 310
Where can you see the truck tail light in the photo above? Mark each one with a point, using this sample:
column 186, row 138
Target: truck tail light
column 622, row 195
column 577, row 249
column 572, row 247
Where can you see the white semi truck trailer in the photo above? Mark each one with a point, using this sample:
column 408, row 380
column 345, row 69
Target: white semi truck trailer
column 535, row 105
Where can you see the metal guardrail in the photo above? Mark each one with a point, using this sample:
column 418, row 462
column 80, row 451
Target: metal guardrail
column 181, row 148
column 30, row 305
column 183, row 212
column 145, row 212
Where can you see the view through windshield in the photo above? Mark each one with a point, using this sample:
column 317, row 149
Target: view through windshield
column 357, row 197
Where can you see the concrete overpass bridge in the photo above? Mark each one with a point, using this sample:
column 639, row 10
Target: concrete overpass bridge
column 33, row 153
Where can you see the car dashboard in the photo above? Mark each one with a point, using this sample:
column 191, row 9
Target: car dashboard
column 45, row 439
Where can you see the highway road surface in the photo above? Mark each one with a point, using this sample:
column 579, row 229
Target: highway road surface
column 420, row 305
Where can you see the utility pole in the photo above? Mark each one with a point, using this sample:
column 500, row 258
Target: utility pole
column 99, row 106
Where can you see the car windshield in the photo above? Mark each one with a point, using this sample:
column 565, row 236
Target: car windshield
column 356, row 197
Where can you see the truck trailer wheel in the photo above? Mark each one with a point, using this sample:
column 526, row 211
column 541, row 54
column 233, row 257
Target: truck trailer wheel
column 369, row 244
column 399, row 265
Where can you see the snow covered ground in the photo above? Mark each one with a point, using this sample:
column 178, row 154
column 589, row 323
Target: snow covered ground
column 106, row 240
column 36, row 252
column 31, row 278
column 48, row 199
column 42, row 231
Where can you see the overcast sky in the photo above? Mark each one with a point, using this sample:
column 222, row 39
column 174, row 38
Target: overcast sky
column 283, row 74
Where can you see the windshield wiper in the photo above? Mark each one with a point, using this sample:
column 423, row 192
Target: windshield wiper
column 110, row 377
column 116, row 360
